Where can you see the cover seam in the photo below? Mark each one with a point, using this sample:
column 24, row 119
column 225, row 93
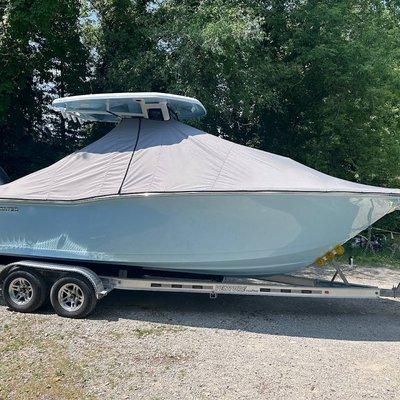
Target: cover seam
column 222, row 166
column 130, row 161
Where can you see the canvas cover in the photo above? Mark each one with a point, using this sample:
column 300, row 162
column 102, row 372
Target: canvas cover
column 145, row 156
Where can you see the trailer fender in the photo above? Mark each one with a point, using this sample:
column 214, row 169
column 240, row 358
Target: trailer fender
column 91, row 277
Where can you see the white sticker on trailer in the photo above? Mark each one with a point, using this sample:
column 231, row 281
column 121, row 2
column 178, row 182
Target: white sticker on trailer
column 236, row 288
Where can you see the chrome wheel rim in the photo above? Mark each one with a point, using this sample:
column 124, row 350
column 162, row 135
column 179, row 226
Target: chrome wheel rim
column 71, row 297
column 20, row 291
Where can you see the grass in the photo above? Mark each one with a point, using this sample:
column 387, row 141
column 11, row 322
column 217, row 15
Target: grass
column 33, row 366
column 368, row 258
column 144, row 332
column 156, row 330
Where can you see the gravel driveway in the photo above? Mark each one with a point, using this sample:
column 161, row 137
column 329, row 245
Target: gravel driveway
column 186, row 346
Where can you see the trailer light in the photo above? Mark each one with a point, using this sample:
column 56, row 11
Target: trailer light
column 320, row 261
column 330, row 255
column 340, row 250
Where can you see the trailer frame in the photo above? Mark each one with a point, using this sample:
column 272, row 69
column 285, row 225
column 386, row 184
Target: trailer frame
column 277, row 286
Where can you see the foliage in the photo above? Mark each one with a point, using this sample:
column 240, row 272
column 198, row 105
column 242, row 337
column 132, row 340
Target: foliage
column 367, row 258
column 41, row 55
column 317, row 81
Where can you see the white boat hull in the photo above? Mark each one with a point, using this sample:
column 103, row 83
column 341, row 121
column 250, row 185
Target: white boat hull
column 244, row 234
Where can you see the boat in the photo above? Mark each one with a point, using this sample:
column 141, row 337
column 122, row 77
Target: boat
column 157, row 193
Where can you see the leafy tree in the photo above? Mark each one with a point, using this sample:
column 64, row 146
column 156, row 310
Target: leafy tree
column 212, row 51
column 315, row 80
column 125, row 46
column 338, row 100
column 41, row 54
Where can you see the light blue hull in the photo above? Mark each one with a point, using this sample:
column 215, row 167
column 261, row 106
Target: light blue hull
column 225, row 234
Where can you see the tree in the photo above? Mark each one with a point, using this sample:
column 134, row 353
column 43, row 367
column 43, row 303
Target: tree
column 41, row 54
column 125, row 46
column 315, row 80
column 338, row 100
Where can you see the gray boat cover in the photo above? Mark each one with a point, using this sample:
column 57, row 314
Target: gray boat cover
column 145, row 156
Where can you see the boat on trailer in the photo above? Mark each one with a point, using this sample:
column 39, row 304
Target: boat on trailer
column 156, row 196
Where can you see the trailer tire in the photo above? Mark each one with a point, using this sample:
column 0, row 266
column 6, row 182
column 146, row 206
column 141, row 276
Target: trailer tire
column 73, row 297
column 24, row 291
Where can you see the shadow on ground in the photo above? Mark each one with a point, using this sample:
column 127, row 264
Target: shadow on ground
column 357, row 320
column 354, row 320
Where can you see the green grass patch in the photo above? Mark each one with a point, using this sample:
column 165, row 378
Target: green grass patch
column 368, row 258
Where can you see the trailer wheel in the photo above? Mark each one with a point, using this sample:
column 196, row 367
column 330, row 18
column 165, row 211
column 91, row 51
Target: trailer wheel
column 72, row 297
column 24, row 291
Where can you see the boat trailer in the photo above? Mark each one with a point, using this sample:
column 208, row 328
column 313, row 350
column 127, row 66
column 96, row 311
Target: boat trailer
column 75, row 289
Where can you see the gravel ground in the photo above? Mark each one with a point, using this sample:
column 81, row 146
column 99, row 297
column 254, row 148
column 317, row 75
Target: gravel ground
column 185, row 346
